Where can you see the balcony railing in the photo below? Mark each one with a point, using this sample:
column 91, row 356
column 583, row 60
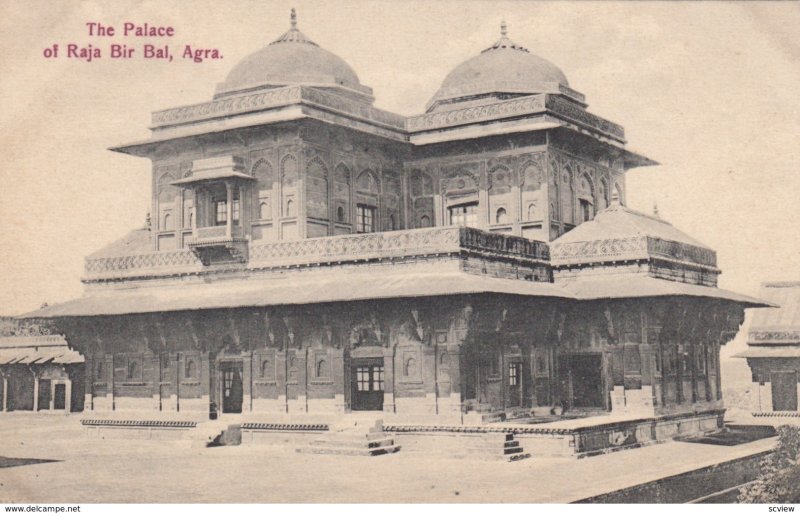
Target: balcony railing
column 210, row 234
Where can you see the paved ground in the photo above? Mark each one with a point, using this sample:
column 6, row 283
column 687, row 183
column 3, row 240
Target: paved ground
column 91, row 471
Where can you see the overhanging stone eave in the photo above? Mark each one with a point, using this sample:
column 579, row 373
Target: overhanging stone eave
column 477, row 131
column 143, row 148
column 271, row 116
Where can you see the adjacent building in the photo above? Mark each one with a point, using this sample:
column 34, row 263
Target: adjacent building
column 773, row 349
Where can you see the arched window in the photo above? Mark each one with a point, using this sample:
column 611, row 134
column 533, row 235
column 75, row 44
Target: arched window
column 322, row 369
column 133, row 369
column 265, row 369
column 168, row 222
column 340, row 214
column 289, row 208
column 263, row 210
column 532, row 211
column 190, row 368
column 392, row 222
column 191, row 220
column 501, row 217
column 424, row 222
column 410, row 368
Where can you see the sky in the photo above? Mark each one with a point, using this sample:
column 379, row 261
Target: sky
column 709, row 90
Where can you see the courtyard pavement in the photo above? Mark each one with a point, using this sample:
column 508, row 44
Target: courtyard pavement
column 143, row 471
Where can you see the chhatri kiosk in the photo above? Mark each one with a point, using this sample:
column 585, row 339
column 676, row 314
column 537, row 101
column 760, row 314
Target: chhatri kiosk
column 310, row 254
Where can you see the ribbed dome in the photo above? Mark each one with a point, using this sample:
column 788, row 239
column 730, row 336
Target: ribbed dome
column 291, row 59
column 504, row 67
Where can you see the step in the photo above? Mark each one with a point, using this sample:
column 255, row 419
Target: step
column 518, row 457
column 512, row 450
column 511, row 443
column 349, row 451
column 335, row 442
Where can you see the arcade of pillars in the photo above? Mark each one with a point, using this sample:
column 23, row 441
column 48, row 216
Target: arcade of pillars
column 446, row 356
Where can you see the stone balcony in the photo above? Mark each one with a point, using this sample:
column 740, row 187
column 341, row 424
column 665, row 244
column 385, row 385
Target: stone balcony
column 219, row 244
column 469, row 245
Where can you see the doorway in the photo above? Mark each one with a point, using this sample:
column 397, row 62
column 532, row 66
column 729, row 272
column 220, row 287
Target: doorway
column 367, row 384
column 581, row 376
column 232, row 388
column 60, row 396
column 44, row 394
column 784, row 391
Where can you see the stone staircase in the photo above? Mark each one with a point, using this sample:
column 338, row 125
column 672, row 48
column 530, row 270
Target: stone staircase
column 512, row 450
column 353, row 438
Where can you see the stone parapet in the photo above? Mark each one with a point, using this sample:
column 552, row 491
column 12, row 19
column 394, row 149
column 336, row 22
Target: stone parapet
column 342, row 249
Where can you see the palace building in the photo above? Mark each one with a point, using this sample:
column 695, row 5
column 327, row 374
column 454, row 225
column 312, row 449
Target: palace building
column 310, row 253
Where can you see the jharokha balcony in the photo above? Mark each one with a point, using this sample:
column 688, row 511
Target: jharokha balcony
column 218, row 244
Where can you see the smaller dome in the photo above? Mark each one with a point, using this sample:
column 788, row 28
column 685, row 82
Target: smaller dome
column 503, row 68
column 291, row 59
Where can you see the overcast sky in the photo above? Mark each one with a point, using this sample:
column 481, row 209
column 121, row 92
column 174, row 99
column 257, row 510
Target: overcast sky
column 709, row 90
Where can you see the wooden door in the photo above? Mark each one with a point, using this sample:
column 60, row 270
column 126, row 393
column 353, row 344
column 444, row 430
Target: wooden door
column 367, row 384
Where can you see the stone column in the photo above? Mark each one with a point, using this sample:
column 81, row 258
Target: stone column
column 229, row 207
column 51, row 405
column 68, row 396
column 35, row 391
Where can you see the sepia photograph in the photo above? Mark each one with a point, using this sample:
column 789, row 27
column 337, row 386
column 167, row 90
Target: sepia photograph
column 376, row 252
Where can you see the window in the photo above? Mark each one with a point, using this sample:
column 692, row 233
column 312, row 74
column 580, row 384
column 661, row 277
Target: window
column 410, row 368
column 541, row 364
column 265, row 369
column 494, row 364
column 464, row 215
column 532, row 211
column 501, row 217
column 133, row 369
column 424, row 222
column 263, row 210
column 235, row 210
column 369, row 378
column 168, row 222
column 340, row 214
column 587, row 210
column 221, row 212
column 365, row 219
column 190, row 370
column 322, row 369
column 514, row 371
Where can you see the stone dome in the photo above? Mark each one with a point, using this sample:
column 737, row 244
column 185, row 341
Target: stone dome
column 291, row 59
column 503, row 68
